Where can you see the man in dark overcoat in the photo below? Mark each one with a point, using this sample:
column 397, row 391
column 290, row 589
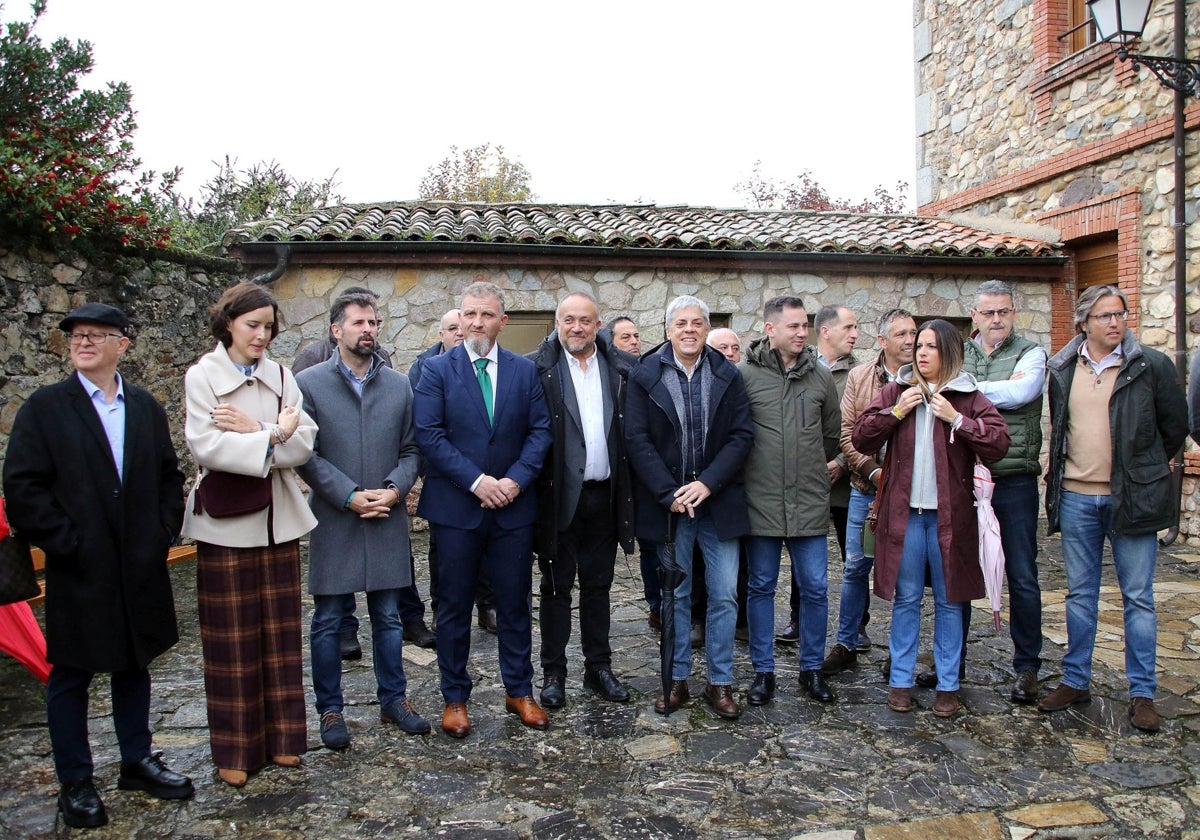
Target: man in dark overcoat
column 92, row 478
column 585, row 501
column 364, row 463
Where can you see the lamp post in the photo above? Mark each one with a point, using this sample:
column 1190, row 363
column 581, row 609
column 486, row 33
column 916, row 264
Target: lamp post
column 1121, row 22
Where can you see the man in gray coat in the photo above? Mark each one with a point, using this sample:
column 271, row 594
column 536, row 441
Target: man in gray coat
column 364, row 462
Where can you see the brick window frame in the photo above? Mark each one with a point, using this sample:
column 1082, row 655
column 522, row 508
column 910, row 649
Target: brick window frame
column 1118, row 213
column 1055, row 65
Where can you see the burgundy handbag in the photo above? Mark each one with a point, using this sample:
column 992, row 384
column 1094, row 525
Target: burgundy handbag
column 222, row 495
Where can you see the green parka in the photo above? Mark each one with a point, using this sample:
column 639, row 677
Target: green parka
column 797, row 421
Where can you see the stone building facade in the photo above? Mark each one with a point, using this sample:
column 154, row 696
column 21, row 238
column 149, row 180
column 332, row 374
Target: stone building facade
column 1023, row 118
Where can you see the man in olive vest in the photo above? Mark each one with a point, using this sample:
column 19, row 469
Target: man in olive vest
column 1011, row 371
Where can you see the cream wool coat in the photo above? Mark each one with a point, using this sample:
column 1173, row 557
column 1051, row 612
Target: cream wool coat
column 213, row 380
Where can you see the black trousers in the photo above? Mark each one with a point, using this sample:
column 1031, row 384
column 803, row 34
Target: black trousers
column 67, row 717
column 587, row 549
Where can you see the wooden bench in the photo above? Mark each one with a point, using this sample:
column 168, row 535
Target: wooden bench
column 177, row 554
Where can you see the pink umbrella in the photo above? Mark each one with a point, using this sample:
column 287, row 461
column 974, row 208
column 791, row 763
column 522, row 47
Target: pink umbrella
column 991, row 552
column 21, row 637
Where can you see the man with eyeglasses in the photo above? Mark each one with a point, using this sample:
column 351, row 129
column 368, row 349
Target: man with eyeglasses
column 92, row 479
column 1011, row 372
column 1117, row 417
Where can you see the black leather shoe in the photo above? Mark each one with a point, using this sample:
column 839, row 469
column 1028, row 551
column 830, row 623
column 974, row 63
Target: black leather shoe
column 81, row 806
column 554, row 695
column 604, row 682
column 762, row 689
column 789, row 634
column 1025, row 689
column 813, row 684
column 350, row 646
column 418, row 634
column 155, row 778
column 487, row 619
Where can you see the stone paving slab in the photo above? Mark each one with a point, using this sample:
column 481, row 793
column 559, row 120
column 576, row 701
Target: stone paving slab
column 791, row 769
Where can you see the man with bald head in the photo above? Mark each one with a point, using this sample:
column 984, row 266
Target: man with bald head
column 585, row 504
column 726, row 342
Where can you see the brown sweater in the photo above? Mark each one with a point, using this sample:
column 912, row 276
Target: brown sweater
column 1089, row 438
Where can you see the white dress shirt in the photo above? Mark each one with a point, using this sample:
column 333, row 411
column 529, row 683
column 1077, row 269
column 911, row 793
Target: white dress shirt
column 589, row 396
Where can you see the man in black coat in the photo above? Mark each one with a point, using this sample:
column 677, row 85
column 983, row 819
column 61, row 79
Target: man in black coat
column 585, row 502
column 688, row 432
column 91, row 477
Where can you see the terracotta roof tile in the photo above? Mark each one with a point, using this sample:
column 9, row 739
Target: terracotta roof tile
column 643, row 226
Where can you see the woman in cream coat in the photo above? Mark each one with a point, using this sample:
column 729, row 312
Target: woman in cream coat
column 244, row 416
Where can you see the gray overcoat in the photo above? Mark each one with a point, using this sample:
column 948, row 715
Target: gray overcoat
column 362, row 444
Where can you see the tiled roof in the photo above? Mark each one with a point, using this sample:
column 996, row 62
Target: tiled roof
column 642, row 226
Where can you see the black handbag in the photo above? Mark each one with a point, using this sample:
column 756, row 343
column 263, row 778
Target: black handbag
column 18, row 581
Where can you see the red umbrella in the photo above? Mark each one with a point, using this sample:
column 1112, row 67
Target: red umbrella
column 21, row 637
column 991, row 552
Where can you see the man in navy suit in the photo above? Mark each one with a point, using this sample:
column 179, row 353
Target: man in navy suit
column 484, row 429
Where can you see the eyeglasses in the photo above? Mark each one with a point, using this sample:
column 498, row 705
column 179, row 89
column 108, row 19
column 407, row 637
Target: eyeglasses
column 91, row 337
column 990, row 313
column 1109, row 317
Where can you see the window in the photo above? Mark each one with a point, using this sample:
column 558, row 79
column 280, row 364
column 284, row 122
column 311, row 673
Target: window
column 525, row 330
column 1095, row 262
column 1081, row 32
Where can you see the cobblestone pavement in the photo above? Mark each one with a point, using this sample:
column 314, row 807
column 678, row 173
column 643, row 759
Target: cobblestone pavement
column 793, row 768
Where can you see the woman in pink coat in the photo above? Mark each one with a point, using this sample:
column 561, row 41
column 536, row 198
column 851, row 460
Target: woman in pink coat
column 936, row 424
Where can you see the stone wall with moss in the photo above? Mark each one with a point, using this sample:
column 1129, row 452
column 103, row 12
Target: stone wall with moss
column 166, row 303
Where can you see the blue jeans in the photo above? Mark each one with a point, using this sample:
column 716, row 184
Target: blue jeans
column 720, row 574
column 810, row 563
column 1085, row 522
column 387, row 647
column 856, row 576
column 921, row 552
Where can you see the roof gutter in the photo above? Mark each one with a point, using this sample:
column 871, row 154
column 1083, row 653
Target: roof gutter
column 251, row 251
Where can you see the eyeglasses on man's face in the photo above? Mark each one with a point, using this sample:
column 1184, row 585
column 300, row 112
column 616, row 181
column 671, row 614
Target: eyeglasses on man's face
column 1109, row 317
column 90, row 337
column 991, row 313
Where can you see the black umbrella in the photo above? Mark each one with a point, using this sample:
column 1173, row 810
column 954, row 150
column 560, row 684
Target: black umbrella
column 670, row 575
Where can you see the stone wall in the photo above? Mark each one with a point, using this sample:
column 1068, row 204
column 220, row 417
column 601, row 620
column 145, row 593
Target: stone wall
column 413, row 299
column 167, row 304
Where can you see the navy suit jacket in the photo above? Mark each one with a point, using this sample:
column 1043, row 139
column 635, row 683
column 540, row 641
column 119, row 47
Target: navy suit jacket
column 458, row 444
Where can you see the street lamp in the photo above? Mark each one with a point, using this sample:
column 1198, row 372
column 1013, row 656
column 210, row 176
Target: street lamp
column 1121, row 22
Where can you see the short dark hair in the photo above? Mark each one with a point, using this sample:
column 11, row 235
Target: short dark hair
column 827, row 315
column 337, row 312
column 612, row 325
column 235, row 302
column 777, row 304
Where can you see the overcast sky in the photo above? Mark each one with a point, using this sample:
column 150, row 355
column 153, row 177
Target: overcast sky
column 615, row 101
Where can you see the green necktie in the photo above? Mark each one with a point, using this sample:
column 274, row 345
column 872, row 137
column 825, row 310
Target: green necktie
column 485, row 385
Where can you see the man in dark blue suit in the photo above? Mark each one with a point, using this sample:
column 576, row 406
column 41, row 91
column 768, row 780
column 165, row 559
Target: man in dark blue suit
column 484, row 429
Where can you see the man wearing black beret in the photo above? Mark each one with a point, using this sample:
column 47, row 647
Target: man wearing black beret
column 91, row 478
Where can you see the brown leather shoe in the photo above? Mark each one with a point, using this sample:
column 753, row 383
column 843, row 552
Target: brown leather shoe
column 1064, row 697
column 946, row 704
column 1143, row 715
column 528, row 710
column 839, row 659
column 679, row 693
column 720, row 697
column 1025, row 689
column 899, row 700
column 455, row 722
column 487, row 620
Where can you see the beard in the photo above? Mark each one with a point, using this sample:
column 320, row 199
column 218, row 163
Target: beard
column 363, row 347
column 479, row 346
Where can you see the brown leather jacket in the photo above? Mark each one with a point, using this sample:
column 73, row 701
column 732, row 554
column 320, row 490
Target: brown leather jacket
column 863, row 384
